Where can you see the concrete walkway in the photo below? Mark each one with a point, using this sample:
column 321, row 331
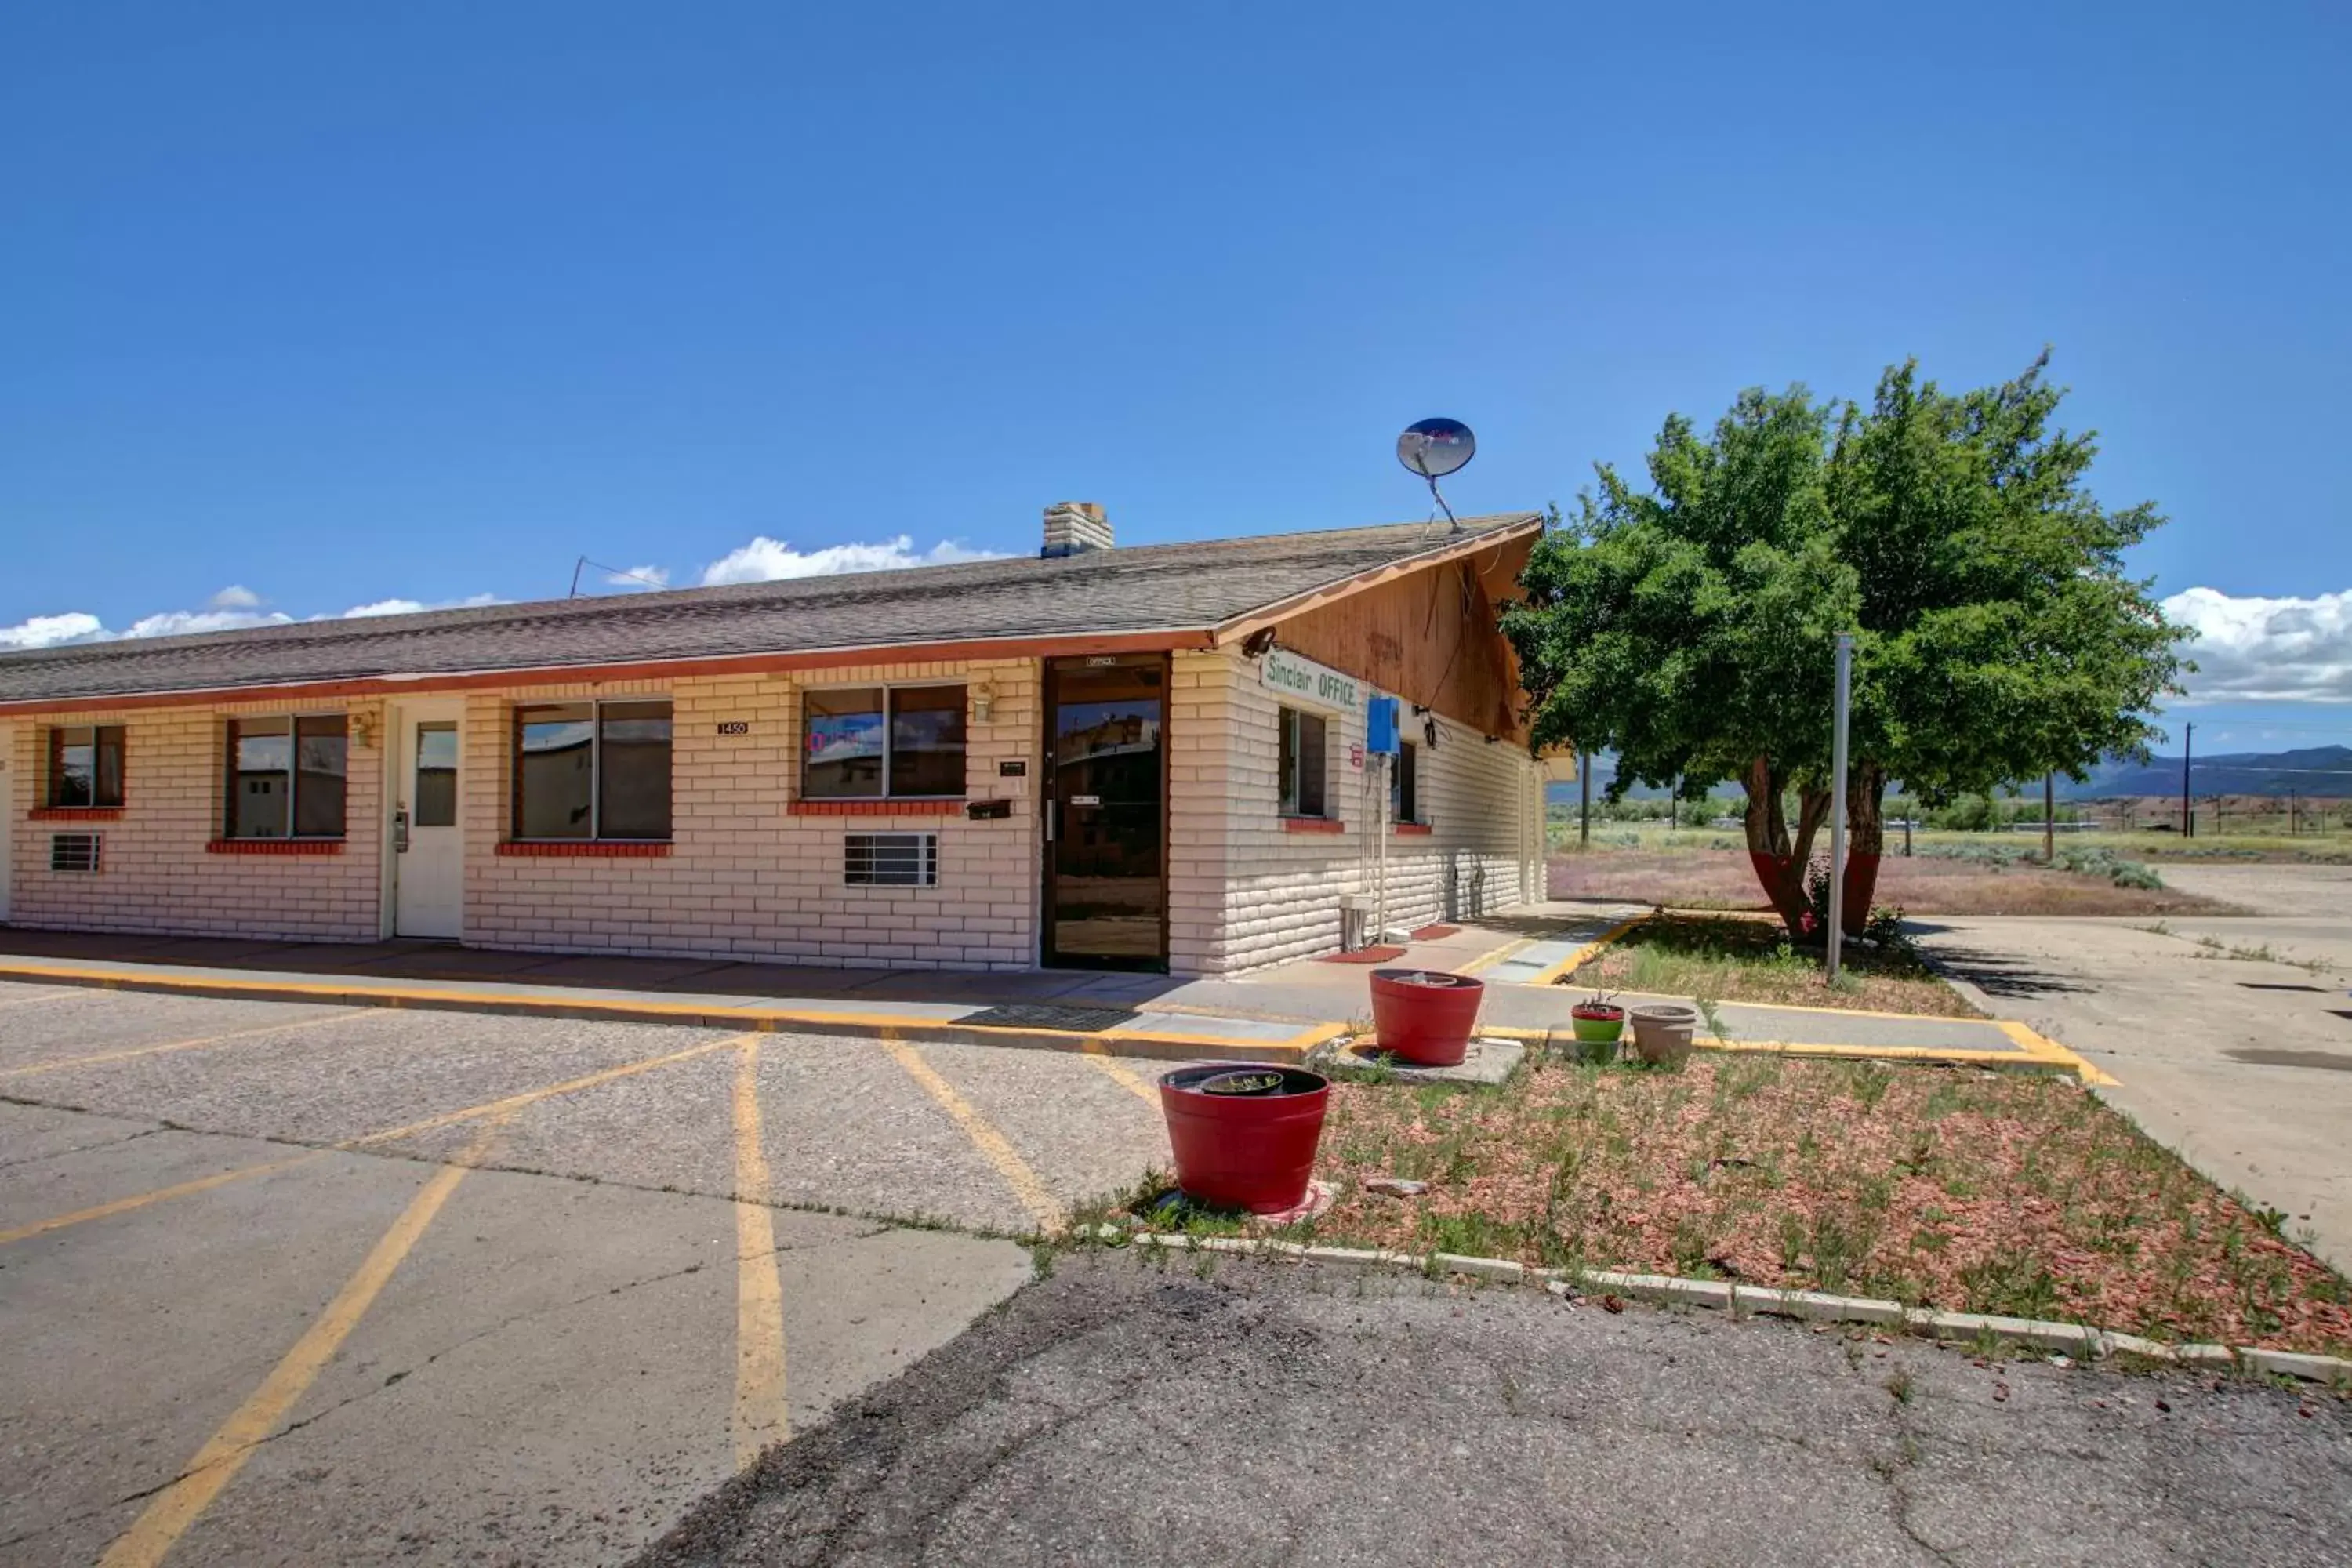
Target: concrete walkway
column 1279, row 1014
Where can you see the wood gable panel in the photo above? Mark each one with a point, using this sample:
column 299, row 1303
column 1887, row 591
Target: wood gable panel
column 1430, row 636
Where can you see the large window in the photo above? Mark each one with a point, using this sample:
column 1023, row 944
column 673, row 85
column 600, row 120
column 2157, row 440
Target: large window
column 85, row 765
column 286, row 777
column 592, row 770
column 1404, row 792
column 873, row 741
column 1300, row 765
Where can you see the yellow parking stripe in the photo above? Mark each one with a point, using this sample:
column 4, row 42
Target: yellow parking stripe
column 991, row 1144
column 159, row 1528
column 1127, row 1078
column 1486, row 961
column 124, row 1206
column 760, row 1415
column 515, row 1102
column 199, row 1042
column 508, row 1105
column 44, row 997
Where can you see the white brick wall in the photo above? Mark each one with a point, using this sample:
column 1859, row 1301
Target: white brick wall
column 746, row 877
column 155, row 873
column 1246, row 891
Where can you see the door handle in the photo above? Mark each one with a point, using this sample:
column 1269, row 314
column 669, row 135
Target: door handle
column 1053, row 819
column 400, row 831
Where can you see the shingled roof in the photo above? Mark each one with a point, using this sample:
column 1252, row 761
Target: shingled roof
column 1171, row 588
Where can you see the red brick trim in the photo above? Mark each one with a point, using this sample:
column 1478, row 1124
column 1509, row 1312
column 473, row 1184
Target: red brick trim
column 587, row 849
column 74, row 813
column 275, row 846
column 1313, row 824
column 876, row 807
column 1416, row 829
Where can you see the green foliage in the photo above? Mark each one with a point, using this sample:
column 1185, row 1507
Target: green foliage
column 2000, row 637
column 1690, row 626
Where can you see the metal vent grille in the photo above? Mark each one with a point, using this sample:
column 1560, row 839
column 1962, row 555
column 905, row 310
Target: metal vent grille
column 890, row 859
column 74, row 851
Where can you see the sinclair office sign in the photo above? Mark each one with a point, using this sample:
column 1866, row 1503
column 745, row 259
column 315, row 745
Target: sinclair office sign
column 1292, row 676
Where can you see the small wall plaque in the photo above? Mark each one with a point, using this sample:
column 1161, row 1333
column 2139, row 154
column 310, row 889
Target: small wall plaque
column 987, row 810
column 1011, row 769
column 735, row 727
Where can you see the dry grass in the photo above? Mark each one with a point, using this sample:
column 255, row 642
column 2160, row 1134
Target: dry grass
column 1721, row 879
column 1948, row 1188
column 1750, row 960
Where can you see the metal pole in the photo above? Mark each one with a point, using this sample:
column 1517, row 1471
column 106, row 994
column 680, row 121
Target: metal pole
column 2049, row 815
column 2188, row 747
column 1584, row 801
column 1837, row 806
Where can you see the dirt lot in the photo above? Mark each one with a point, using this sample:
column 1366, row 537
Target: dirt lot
column 1720, row 879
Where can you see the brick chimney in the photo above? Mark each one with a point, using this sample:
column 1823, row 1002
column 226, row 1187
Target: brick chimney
column 1072, row 526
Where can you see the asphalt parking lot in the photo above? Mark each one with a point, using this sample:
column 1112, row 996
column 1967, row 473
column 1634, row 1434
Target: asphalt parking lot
column 306, row 1284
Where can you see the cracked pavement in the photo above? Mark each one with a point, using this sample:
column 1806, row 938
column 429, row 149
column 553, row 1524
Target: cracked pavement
column 551, row 1372
column 1189, row 1410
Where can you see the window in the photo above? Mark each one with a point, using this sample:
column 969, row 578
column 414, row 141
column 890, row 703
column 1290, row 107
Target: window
column 890, row 859
column 1301, row 763
column 286, row 777
column 74, row 851
column 85, row 765
column 436, row 774
column 591, row 770
column 873, row 741
column 1404, row 797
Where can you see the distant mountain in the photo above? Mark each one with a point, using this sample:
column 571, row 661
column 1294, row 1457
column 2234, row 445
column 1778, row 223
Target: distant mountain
column 2306, row 770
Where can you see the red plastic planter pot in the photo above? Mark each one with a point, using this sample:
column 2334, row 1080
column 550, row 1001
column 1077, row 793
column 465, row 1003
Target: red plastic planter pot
column 1253, row 1151
column 1425, row 1016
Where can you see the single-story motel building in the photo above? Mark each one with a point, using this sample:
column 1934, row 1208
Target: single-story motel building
column 1147, row 758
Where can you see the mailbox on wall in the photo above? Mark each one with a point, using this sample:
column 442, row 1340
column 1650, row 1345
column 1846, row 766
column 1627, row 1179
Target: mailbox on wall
column 1380, row 725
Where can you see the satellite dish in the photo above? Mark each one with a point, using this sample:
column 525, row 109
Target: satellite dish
column 1436, row 447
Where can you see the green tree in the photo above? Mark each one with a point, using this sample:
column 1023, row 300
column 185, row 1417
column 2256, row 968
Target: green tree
column 1688, row 627
column 1692, row 627
column 2000, row 637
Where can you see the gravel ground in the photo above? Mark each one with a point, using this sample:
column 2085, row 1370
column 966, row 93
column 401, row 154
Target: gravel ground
column 1142, row 1412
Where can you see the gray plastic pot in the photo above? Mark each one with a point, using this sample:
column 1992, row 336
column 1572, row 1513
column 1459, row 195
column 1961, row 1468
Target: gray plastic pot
column 1662, row 1031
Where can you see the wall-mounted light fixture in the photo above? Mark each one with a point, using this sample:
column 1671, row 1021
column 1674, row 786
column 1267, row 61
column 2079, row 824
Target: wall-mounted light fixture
column 363, row 730
column 1259, row 643
column 983, row 702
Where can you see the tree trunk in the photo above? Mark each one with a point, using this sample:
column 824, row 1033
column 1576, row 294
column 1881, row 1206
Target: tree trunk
column 1865, row 823
column 1781, row 865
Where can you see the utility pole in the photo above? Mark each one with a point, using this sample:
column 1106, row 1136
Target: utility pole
column 1837, row 804
column 2187, row 816
column 2048, row 817
column 1584, row 801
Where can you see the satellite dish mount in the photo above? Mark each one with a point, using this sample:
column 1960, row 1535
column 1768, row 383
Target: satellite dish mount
column 1434, row 448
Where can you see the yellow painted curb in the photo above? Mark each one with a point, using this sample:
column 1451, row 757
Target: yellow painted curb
column 1486, row 961
column 1957, row 1056
column 1584, row 955
column 2036, row 1044
column 1170, row 1045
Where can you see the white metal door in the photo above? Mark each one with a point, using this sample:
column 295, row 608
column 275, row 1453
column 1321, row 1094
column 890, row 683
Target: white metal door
column 429, row 842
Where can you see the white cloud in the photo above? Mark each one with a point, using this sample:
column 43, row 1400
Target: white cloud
column 764, row 560
column 47, row 631
column 2267, row 650
column 640, row 577
column 182, row 623
column 80, row 626
column 235, row 597
column 412, row 606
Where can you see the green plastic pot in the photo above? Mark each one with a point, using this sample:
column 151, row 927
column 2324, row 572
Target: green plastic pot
column 1608, row 1029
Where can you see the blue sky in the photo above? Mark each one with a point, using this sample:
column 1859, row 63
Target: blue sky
column 335, row 306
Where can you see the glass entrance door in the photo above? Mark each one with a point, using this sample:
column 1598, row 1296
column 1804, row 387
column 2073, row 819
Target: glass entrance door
column 1105, row 812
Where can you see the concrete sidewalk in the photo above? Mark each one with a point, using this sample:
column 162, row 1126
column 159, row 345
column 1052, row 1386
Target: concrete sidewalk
column 1280, row 1014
